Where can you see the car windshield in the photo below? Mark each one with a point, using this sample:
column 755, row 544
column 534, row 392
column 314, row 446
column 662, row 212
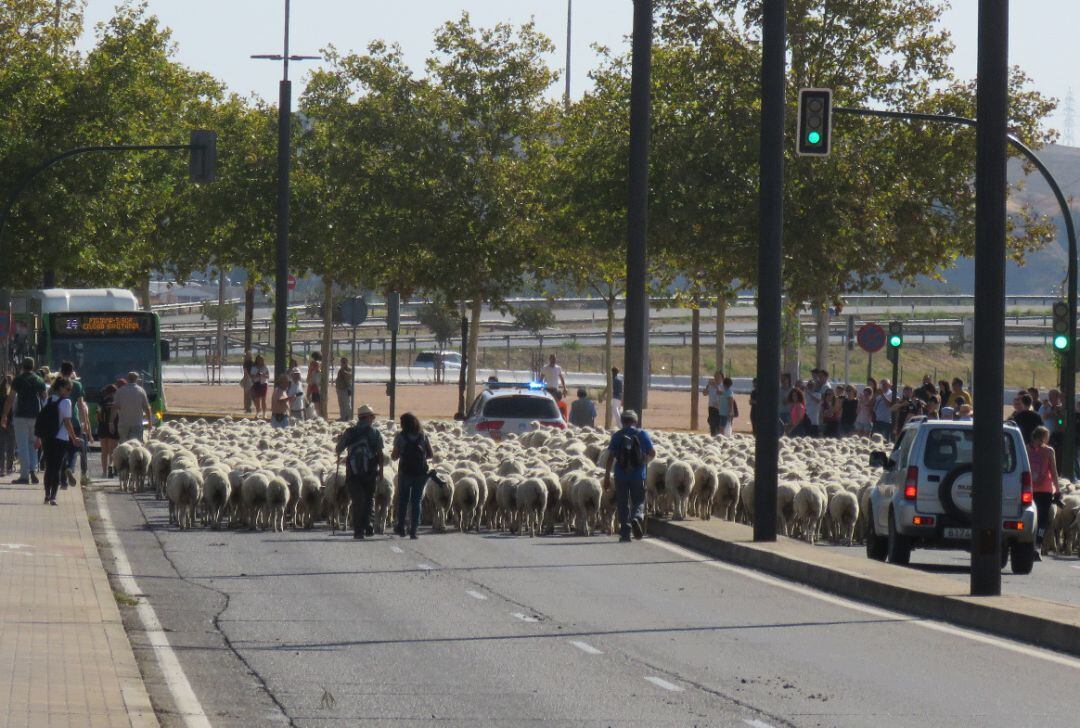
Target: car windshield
column 99, row 362
column 947, row 448
column 521, row 406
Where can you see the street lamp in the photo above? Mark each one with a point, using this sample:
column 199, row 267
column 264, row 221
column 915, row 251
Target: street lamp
column 281, row 258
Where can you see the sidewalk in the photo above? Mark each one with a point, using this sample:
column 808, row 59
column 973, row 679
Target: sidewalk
column 1053, row 625
column 65, row 659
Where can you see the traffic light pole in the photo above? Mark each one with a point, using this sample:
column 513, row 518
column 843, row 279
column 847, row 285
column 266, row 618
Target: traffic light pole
column 1068, row 367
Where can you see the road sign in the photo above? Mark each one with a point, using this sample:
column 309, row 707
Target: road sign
column 292, row 282
column 393, row 310
column 354, row 311
column 871, row 338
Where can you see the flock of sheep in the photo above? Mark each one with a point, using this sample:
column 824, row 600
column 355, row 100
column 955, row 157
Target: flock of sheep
column 247, row 474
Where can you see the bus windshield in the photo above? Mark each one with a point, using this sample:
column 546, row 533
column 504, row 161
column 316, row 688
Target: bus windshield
column 100, row 362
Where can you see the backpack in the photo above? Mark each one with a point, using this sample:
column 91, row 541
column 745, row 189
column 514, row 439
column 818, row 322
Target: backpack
column 413, row 456
column 629, row 456
column 47, row 422
column 363, row 460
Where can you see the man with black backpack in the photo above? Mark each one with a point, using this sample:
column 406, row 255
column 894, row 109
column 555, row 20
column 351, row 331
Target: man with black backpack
column 363, row 447
column 631, row 450
column 54, row 432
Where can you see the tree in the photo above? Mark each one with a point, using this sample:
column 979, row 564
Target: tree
column 441, row 318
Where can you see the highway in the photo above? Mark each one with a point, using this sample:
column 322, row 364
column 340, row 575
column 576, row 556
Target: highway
column 315, row 629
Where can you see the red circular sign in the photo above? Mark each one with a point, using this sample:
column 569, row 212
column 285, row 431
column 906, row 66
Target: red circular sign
column 292, row 282
column 871, row 338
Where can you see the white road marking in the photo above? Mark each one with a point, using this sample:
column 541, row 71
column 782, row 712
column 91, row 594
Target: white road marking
column 425, row 567
column 476, row 595
column 586, row 647
column 187, row 704
column 1000, row 642
column 755, row 723
column 397, row 549
column 524, row 617
column 662, row 683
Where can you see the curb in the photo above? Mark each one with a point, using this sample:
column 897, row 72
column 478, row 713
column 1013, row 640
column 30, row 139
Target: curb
column 1047, row 624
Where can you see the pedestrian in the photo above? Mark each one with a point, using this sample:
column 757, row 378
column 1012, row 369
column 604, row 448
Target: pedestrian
column 412, row 450
column 958, row 391
column 903, row 408
column 583, row 410
column 363, row 447
column 714, row 390
column 927, row 390
column 260, row 385
column 552, row 375
column 849, row 410
column 19, row 413
column 753, row 406
column 246, row 380
column 615, row 395
column 1044, row 480
column 785, row 403
column 864, row 420
column 1024, row 417
column 933, row 408
column 281, row 402
column 732, row 406
column 631, row 450
column 343, row 385
column 564, row 409
column 81, row 420
column 106, row 430
column 7, row 433
column 883, row 421
column 830, row 414
column 130, row 405
column 797, row 425
column 314, row 391
column 813, row 395
column 296, row 397
column 55, row 434
column 964, row 412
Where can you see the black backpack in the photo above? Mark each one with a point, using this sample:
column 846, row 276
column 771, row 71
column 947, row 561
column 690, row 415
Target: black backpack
column 629, row 456
column 47, row 423
column 363, row 458
column 413, row 455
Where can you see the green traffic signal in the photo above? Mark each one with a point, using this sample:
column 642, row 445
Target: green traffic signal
column 814, row 137
column 1061, row 342
column 895, row 341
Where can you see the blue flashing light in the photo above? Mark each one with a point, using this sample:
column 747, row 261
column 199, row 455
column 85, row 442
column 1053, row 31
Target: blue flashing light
column 536, row 385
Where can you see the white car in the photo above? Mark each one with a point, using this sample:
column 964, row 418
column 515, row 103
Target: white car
column 923, row 499
column 504, row 408
column 426, row 359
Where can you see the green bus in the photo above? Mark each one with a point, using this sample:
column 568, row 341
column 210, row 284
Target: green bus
column 101, row 332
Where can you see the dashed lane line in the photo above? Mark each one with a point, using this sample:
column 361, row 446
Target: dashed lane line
column 586, row 647
column 476, row 594
column 662, row 683
column 755, row 723
column 524, row 617
column 425, row 567
column 397, row 549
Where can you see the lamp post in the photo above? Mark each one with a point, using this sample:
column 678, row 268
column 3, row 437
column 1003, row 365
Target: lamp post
column 281, row 257
column 569, row 41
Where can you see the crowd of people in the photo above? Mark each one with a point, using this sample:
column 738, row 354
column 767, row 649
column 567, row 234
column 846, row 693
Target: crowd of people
column 45, row 424
column 294, row 396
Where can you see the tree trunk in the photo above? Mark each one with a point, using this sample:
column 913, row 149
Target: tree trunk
column 721, row 328
column 608, row 355
column 474, row 347
column 249, row 313
column 221, row 326
column 792, row 337
column 695, row 364
column 327, row 348
column 821, row 336
column 144, row 291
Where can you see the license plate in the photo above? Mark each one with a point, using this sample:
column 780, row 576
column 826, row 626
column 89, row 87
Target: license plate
column 957, row 533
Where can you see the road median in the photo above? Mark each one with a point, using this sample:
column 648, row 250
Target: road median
column 1034, row 621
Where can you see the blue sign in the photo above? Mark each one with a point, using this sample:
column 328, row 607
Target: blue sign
column 871, row 338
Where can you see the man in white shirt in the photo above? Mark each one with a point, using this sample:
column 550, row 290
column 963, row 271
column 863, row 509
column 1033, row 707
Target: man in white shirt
column 552, row 375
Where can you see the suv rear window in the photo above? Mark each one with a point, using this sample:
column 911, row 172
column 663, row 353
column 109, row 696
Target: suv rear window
column 947, row 448
column 522, row 407
column 425, row 357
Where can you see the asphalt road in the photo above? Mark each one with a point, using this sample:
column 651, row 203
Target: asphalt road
column 314, row 629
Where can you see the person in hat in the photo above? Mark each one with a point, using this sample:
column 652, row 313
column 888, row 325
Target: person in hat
column 20, row 412
column 631, row 450
column 296, row 396
column 362, row 445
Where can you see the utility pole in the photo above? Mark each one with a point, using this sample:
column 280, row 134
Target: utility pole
column 991, row 182
column 569, row 47
column 770, row 253
column 637, row 298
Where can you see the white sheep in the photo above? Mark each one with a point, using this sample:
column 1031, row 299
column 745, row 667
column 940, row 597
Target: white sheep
column 439, row 497
column 183, row 488
column 531, row 502
column 844, row 510
column 467, row 502
column 679, row 483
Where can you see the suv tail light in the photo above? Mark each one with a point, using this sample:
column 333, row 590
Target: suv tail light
column 554, row 423
column 489, row 425
column 1025, row 488
column 911, row 484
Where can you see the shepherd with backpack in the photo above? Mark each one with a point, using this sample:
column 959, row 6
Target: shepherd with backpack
column 412, row 450
column 362, row 445
column 55, row 434
column 631, row 450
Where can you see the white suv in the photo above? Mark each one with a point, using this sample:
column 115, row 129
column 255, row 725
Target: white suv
column 923, row 498
column 512, row 408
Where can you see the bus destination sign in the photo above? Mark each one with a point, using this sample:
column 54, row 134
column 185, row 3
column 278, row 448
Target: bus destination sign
column 102, row 324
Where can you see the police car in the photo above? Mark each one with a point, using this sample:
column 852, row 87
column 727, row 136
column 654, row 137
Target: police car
column 504, row 408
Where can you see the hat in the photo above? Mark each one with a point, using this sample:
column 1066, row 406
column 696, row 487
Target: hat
column 365, row 411
column 294, row 372
column 629, row 416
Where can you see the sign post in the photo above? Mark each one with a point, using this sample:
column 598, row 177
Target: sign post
column 354, row 312
column 393, row 318
column 871, row 338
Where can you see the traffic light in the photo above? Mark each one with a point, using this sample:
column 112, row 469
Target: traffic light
column 815, row 122
column 895, row 339
column 202, row 164
column 1061, row 326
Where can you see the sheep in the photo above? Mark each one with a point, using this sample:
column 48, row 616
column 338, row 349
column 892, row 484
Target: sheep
column 183, row 488
column 216, row 492
column 706, row 482
column 844, row 510
column 531, row 502
column 467, row 502
column 507, row 508
column 253, row 494
column 336, row 501
column 277, row 502
column 785, row 507
column 439, row 496
column 138, row 467
column 678, row 483
column 309, row 502
column 384, row 503
column 587, row 493
column 726, row 501
column 119, row 459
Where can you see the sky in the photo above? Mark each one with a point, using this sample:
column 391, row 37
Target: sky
column 218, row 36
